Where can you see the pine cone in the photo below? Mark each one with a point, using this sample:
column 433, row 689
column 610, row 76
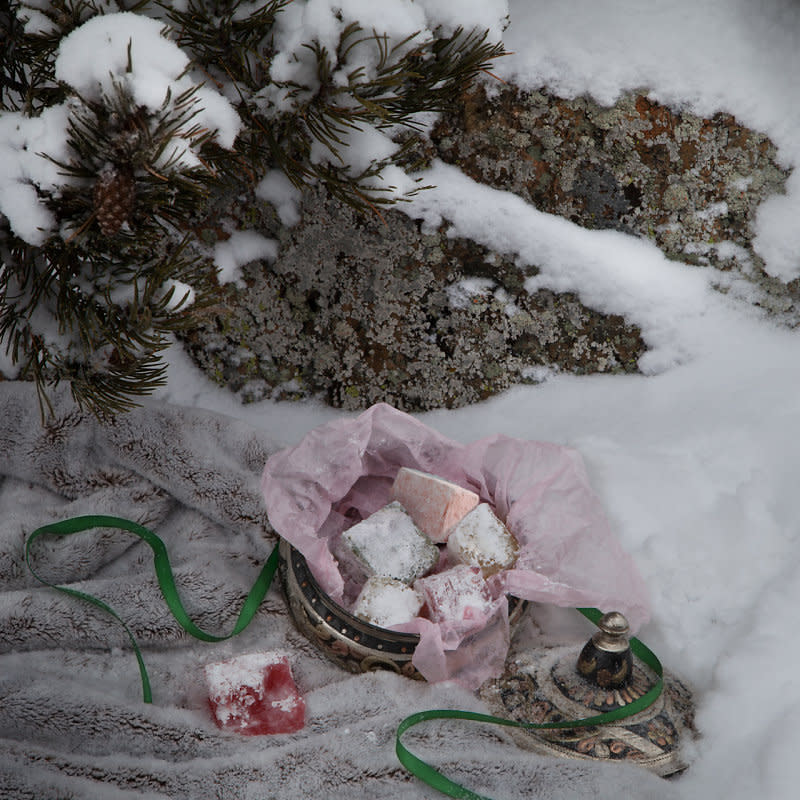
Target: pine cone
column 113, row 198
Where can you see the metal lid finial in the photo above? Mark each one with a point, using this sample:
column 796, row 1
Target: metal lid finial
column 612, row 635
column 606, row 660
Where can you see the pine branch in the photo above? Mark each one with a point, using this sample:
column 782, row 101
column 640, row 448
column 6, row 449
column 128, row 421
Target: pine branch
column 226, row 42
column 97, row 302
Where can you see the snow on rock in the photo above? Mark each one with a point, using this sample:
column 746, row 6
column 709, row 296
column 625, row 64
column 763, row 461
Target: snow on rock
column 733, row 56
column 777, row 238
column 609, row 271
column 241, row 248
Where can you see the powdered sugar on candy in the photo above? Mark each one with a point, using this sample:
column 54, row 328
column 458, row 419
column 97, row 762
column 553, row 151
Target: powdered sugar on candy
column 255, row 694
column 344, row 470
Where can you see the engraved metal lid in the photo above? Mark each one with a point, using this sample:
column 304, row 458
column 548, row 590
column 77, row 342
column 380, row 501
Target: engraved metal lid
column 553, row 684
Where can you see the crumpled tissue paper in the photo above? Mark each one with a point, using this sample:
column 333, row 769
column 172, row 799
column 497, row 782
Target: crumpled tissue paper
column 343, row 471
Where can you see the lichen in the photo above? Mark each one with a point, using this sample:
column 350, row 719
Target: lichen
column 361, row 310
column 688, row 183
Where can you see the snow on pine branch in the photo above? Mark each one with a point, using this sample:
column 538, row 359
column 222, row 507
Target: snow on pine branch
column 116, row 52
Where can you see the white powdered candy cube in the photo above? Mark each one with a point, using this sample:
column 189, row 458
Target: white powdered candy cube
column 386, row 601
column 481, row 540
column 388, row 543
column 434, row 504
column 458, row 596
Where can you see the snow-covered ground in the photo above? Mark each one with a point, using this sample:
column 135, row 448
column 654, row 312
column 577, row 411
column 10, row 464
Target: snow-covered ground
column 697, row 460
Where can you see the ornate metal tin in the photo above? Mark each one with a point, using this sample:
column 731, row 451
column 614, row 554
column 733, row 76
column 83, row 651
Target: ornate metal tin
column 540, row 685
column 349, row 641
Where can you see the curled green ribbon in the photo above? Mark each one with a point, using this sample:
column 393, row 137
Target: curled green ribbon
column 166, row 582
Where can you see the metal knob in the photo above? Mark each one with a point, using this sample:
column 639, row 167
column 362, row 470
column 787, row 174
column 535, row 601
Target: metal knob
column 606, row 659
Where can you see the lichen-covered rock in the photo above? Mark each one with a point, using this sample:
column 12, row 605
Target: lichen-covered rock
column 366, row 309
column 360, row 309
column 690, row 184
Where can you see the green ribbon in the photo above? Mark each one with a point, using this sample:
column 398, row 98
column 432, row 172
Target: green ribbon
column 437, row 780
column 166, row 582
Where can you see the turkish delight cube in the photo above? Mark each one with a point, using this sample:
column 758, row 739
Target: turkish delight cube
column 458, row 596
column 386, row 601
column 255, row 694
column 388, row 543
column 434, row 504
column 481, row 540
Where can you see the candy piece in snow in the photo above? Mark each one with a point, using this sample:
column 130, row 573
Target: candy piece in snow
column 388, row 543
column 255, row 694
column 386, row 601
column 434, row 504
column 458, row 596
column 481, row 540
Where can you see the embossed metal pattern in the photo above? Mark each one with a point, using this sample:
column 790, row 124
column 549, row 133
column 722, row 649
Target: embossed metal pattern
column 351, row 642
column 544, row 686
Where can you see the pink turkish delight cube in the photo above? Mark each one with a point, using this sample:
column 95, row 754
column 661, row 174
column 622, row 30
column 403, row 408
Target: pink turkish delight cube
column 255, row 694
column 434, row 504
column 458, row 597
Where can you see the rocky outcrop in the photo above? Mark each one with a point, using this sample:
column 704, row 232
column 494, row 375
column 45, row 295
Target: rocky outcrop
column 691, row 185
column 359, row 309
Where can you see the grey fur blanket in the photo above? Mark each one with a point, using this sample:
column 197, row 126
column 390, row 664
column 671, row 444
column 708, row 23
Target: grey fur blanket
column 72, row 721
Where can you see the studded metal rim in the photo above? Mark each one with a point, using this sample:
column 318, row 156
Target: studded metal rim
column 351, row 642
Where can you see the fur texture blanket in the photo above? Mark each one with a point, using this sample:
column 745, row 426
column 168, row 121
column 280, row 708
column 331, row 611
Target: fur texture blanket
column 72, row 721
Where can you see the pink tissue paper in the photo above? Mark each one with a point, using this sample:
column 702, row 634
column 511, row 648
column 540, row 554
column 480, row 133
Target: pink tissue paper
column 343, row 471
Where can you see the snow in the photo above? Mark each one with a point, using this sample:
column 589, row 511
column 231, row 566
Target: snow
column 696, row 460
column 734, row 56
column 241, row 248
column 123, row 50
column 128, row 49
column 182, row 296
column 278, row 190
column 610, row 271
column 22, row 168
